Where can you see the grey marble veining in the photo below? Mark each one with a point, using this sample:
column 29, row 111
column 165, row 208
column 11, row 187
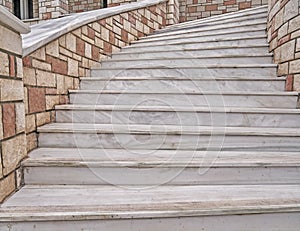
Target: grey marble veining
column 192, row 84
column 186, row 99
column 162, row 71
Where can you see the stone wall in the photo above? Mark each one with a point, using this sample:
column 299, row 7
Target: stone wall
column 76, row 6
column 284, row 39
column 12, row 112
column 52, row 9
column 53, row 69
column 196, row 9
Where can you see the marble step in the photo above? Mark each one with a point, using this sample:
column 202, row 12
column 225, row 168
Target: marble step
column 187, row 61
column 158, row 137
column 196, row 43
column 180, row 98
column 238, row 22
column 184, row 84
column 248, row 70
column 172, row 115
column 163, row 167
column 215, row 19
column 93, row 208
column 211, row 53
column 259, row 30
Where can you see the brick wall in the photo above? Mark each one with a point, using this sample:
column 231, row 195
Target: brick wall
column 284, row 39
column 111, row 3
column 196, row 9
column 76, row 6
column 12, row 114
column 52, row 9
column 8, row 4
column 53, row 69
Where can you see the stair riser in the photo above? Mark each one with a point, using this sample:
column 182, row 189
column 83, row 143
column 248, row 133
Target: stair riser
column 272, row 101
column 179, row 118
column 187, row 72
column 202, row 53
column 184, row 85
column 278, row 221
column 185, row 62
column 247, row 22
column 246, row 28
column 196, row 45
column 170, row 142
column 118, row 175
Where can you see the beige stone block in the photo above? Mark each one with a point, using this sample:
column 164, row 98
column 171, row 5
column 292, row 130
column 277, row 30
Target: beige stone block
column 298, row 45
column 277, row 55
column 295, row 34
column 29, row 76
column 69, row 83
column 297, row 55
column 295, row 66
column 26, row 100
column 10, row 41
column 1, row 126
column 88, row 50
column 279, row 19
column 4, row 64
column 71, row 42
column 294, row 24
column 65, row 52
column 43, row 118
column 53, row 48
column 287, row 51
column 41, row 65
column 283, row 31
column 20, row 117
column 39, row 54
column 31, row 141
column 45, row 79
column 13, row 151
column 296, row 86
column 19, row 63
column 51, row 101
column 291, row 9
column 105, row 34
column 60, row 82
column 11, row 90
column 7, row 186
column 72, row 67
column 30, row 123
column 62, row 41
column 283, row 69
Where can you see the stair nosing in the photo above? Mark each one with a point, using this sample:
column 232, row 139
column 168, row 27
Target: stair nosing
column 84, row 107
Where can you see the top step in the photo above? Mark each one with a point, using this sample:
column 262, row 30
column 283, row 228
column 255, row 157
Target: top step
column 216, row 19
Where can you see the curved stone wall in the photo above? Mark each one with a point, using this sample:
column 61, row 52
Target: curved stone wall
column 284, row 39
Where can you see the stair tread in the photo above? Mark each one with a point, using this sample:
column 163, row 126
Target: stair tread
column 231, row 78
column 187, row 58
column 42, row 202
column 196, row 49
column 167, row 129
column 198, row 66
column 85, row 107
column 71, row 157
column 81, row 91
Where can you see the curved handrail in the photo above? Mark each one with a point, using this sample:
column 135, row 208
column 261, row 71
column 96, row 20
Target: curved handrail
column 45, row 32
column 9, row 20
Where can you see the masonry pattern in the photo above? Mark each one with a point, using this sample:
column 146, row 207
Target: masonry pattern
column 284, row 39
column 12, row 114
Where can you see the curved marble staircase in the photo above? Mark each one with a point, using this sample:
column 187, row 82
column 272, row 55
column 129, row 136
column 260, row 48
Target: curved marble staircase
column 186, row 129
